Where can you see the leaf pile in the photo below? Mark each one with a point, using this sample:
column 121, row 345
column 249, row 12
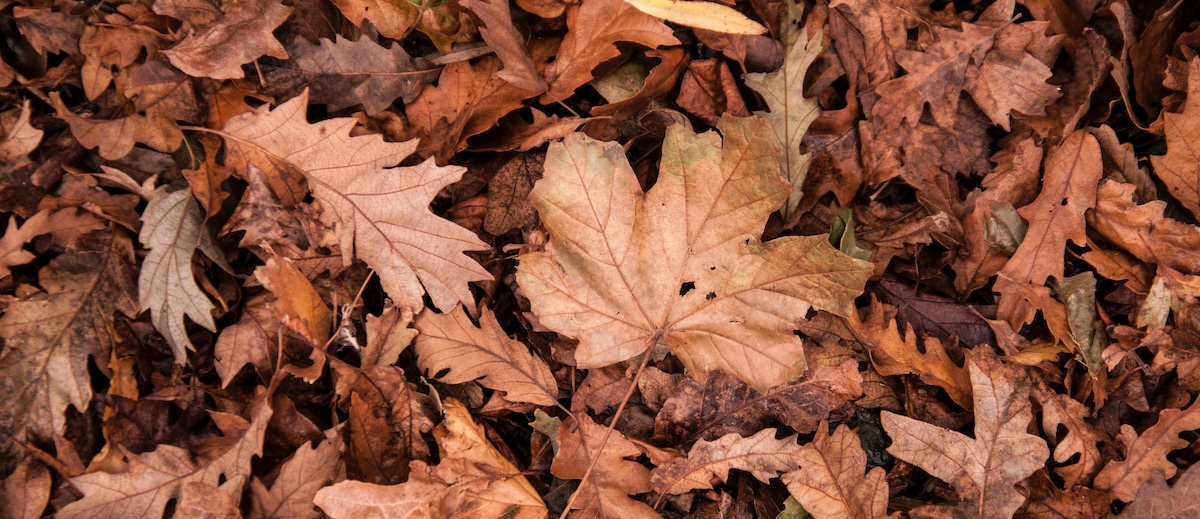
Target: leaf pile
column 600, row 258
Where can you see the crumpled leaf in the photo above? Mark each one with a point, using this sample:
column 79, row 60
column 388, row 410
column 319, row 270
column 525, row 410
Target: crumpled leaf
column 983, row 469
column 1143, row 230
column 790, row 112
column 156, row 477
column 383, row 212
column 830, row 482
column 449, row 343
column 49, row 337
column 1146, row 453
column 500, row 34
column 241, row 34
column 173, row 229
column 680, row 264
column 473, row 479
column 762, row 455
column 1081, row 438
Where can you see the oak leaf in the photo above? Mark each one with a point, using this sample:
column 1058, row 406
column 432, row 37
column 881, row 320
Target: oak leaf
column 1143, row 230
column 762, row 455
column 1080, row 440
column 387, row 337
column 1178, row 169
column 155, row 478
column 383, row 212
column 449, row 343
column 49, row 337
column 593, row 30
column 681, row 264
column 830, row 481
column 983, row 469
column 473, row 479
column 300, row 477
column 1156, row 500
column 46, row 221
column 173, row 229
column 1146, row 453
column 218, row 48
column 791, row 113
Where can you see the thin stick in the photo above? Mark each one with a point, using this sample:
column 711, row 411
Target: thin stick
column 607, row 433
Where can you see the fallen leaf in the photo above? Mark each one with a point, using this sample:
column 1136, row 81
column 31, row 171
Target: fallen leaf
column 499, row 33
column 830, row 481
column 18, row 138
column 628, row 270
column 762, row 455
column 12, row 243
column 296, row 301
column 1178, row 169
column 984, row 469
column 1080, row 440
column 173, row 229
column 205, row 501
column 1145, row 453
column 387, row 337
column 425, row 255
column 1143, row 230
column 207, row 50
column 701, row 15
column 614, row 478
column 26, row 491
column 300, row 477
column 1156, row 500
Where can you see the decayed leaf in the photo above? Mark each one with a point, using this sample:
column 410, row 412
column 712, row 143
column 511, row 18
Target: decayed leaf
column 594, row 28
column 450, row 343
column 173, row 229
column 1156, row 500
column 790, row 112
column 983, row 469
column 1179, row 169
column 614, row 478
column 1146, row 454
column 49, row 337
column 241, row 34
column 830, row 482
column 291, row 494
column 701, row 15
column 207, row 501
column 761, row 455
column 681, row 264
column 383, row 213
column 472, row 480
column 115, row 138
column 343, row 73
column 156, row 477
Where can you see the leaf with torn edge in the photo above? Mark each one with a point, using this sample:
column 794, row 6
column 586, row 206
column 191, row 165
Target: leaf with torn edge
column 450, row 343
column 761, row 455
column 173, row 229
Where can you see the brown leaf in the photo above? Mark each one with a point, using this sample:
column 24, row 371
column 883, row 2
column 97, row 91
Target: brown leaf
column 350, row 177
column 508, row 205
column 207, row 51
column 387, row 420
column 387, row 337
column 156, row 477
column 525, row 136
column 26, row 491
column 500, row 34
column 343, row 73
column 473, row 479
column 50, row 31
column 46, row 221
column 1156, row 500
column 300, row 477
column 115, row 138
column 983, row 469
column 629, row 270
column 1145, row 453
column 296, row 301
column 206, row 501
column 709, row 90
column 1060, row 410
column 454, row 351
column 615, row 477
column 49, row 337
column 1143, row 230
column 593, row 30
column 1178, row 169
column 830, row 481
column 19, row 137
column 762, row 455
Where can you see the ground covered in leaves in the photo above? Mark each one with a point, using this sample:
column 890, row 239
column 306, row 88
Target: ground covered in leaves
column 599, row 258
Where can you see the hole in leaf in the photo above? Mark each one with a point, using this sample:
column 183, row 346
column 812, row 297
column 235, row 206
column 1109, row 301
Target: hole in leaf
column 711, row 296
column 686, row 287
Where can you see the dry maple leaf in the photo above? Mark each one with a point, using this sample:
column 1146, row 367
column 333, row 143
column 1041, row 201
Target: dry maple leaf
column 450, row 344
column 155, row 478
column 1146, row 454
column 383, row 212
column 1179, row 168
column 614, row 478
column 173, row 229
column 983, row 469
column 830, row 482
column 762, row 455
column 593, row 30
column 681, row 264
column 790, row 112
column 49, row 337
column 472, row 480
column 240, row 34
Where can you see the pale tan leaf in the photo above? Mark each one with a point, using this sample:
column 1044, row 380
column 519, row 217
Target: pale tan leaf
column 383, row 212
column 26, row 492
column 681, row 264
column 300, row 477
column 156, row 477
column 984, row 469
column 761, row 455
column 615, row 477
column 173, row 228
column 831, row 483
column 450, row 343
column 701, row 15
column 1146, row 453
column 17, row 137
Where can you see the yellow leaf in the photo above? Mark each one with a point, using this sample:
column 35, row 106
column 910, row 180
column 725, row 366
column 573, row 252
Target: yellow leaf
column 701, row 15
